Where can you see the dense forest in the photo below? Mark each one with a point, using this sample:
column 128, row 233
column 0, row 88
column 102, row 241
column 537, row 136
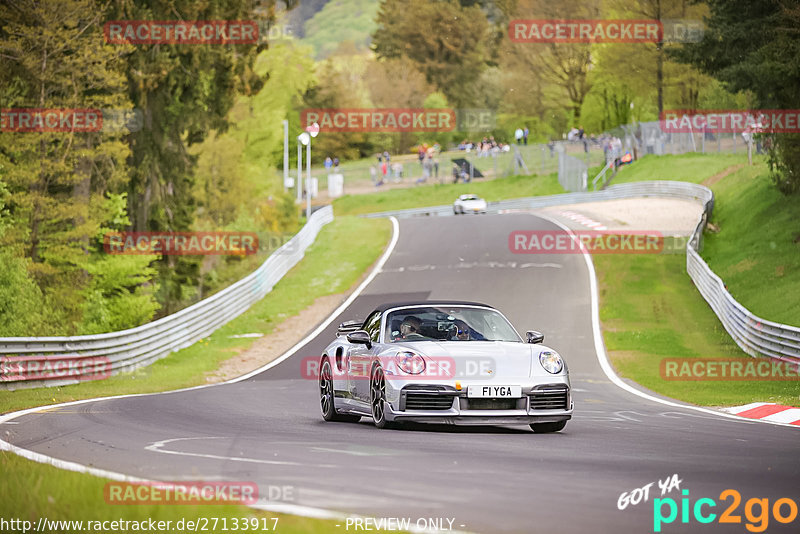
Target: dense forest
column 202, row 151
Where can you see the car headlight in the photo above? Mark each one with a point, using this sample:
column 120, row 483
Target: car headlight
column 551, row 361
column 410, row 362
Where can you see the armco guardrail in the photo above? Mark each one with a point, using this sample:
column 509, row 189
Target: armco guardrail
column 755, row 336
column 682, row 190
column 36, row 361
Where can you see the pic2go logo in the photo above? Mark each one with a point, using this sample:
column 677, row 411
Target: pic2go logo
column 756, row 511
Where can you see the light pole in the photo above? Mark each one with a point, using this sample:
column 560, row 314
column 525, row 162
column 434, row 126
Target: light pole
column 285, row 155
column 299, row 169
column 311, row 130
column 302, row 140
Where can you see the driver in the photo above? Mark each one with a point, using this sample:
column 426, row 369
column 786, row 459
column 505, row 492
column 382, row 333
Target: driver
column 410, row 327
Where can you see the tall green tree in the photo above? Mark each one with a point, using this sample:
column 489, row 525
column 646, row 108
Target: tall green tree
column 562, row 69
column 451, row 44
column 60, row 183
column 184, row 91
column 754, row 45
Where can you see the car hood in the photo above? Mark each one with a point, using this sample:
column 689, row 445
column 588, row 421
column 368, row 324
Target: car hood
column 481, row 359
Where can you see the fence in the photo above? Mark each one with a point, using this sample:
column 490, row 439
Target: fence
column 36, row 361
column 573, row 174
column 754, row 335
column 533, row 159
column 649, row 138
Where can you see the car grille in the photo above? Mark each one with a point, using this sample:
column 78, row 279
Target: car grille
column 554, row 398
column 492, row 404
column 423, row 401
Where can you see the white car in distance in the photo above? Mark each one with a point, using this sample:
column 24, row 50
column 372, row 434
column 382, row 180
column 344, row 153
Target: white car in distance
column 469, row 204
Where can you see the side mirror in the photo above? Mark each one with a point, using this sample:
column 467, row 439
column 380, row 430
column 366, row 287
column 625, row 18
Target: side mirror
column 360, row 337
column 534, row 336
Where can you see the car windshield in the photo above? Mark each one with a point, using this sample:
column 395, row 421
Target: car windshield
column 469, row 197
column 448, row 323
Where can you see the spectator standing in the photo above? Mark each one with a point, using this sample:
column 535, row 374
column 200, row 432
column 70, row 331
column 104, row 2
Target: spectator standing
column 386, row 156
column 525, row 133
column 573, row 134
column 328, row 163
column 397, row 170
column 518, row 133
column 336, row 164
column 427, row 165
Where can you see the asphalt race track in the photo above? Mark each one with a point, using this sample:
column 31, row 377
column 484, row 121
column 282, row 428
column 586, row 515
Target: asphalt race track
column 268, row 428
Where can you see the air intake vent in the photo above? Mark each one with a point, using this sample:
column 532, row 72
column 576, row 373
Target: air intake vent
column 418, row 401
column 549, row 399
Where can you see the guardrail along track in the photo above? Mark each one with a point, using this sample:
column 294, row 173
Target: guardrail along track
column 37, row 361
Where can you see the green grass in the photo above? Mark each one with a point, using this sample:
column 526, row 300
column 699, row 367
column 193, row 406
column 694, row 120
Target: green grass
column 439, row 194
column 31, row 490
column 685, row 167
column 757, row 250
column 651, row 310
column 343, row 250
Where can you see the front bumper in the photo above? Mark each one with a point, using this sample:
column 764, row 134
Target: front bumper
column 459, row 412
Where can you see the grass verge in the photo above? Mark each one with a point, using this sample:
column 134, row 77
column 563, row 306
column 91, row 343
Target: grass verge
column 651, row 310
column 341, row 253
column 31, row 490
column 441, row 194
column 689, row 167
column 757, row 248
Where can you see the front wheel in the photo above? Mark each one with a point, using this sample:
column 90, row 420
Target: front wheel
column 378, row 399
column 546, row 428
column 326, row 396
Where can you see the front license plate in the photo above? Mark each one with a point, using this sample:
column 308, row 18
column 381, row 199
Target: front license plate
column 494, row 392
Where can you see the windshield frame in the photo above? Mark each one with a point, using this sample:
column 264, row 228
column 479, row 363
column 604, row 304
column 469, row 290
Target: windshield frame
column 386, row 313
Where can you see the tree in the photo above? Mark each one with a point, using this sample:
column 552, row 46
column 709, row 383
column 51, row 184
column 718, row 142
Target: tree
column 396, row 83
column 754, row 45
column 562, row 67
column 184, row 92
column 450, row 44
column 54, row 57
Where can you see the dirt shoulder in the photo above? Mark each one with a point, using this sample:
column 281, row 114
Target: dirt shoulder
column 283, row 337
column 668, row 215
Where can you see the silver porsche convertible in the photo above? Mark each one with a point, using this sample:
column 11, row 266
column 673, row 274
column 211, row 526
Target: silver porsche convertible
column 443, row 362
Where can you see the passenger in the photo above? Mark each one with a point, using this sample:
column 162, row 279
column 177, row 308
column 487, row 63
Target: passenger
column 410, row 328
column 462, row 331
